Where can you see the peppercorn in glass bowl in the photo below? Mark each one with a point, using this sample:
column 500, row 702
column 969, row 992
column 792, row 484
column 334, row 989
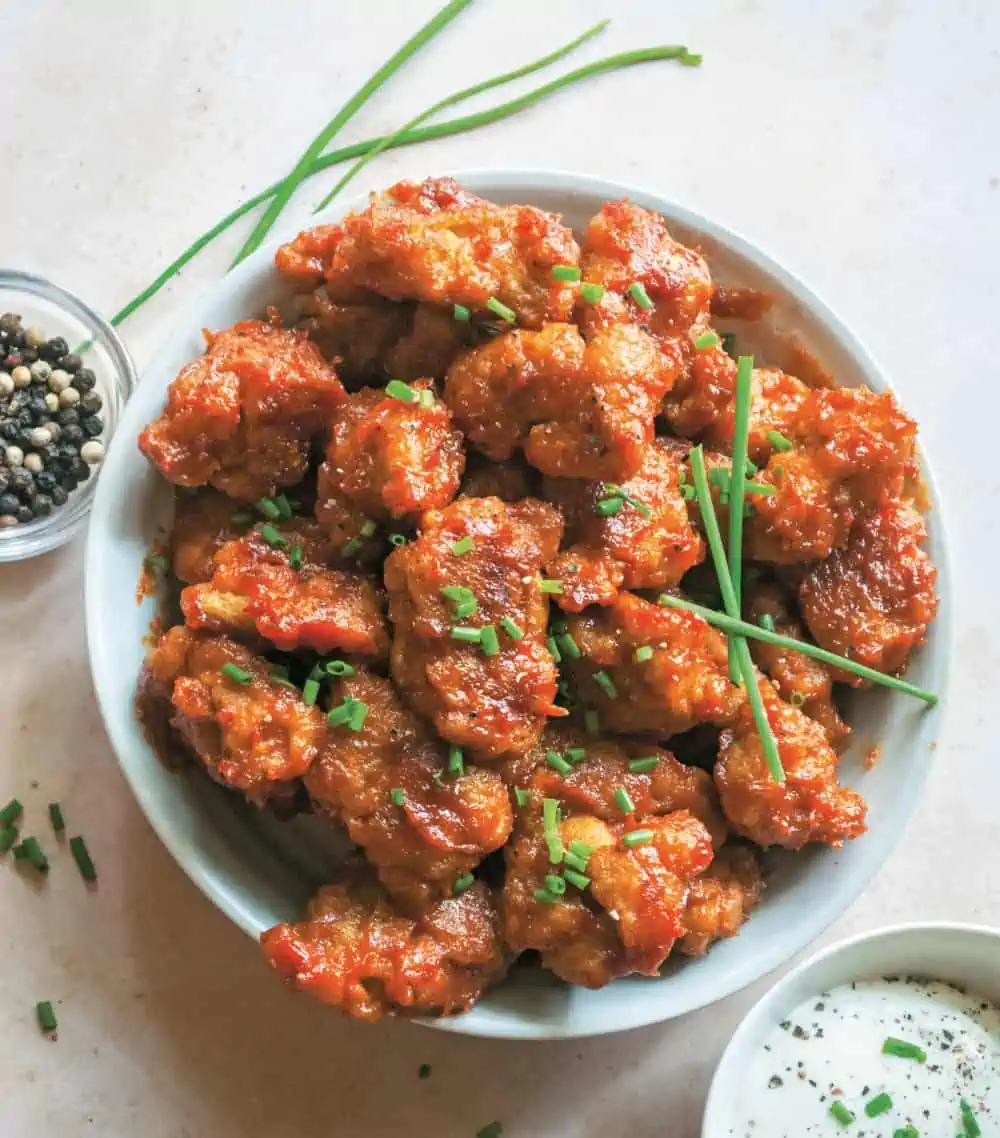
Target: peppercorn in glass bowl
column 65, row 376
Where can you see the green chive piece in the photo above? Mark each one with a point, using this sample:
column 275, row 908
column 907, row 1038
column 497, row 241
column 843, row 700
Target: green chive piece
column 553, row 648
column 456, row 763
column 463, row 600
column 56, row 817
column 397, row 796
column 46, row 1016
column 903, row 1050
column 8, row 838
column 637, row 838
column 521, row 796
column 569, row 647
column 550, row 585
column 84, row 862
column 339, row 715
column 358, row 714
column 644, row 765
column 512, row 628
column 575, row 878
column 624, row 801
column 338, row 668
column 489, row 641
column 608, row 507
column 880, row 1104
column 397, row 539
column 643, row 654
column 546, row 897
column 690, row 58
column 11, row 812
column 550, row 827
column 840, row 1113
column 557, row 762
column 969, row 1121
column 461, row 883
column 272, row 537
column 766, row 622
column 460, row 312
column 908, row 1131
column 565, row 273
column 606, row 684
column 500, row 309
column 295, row 557
column 30, row 850
column 591, row 292
column 424, row 1071
column 353, row 547
column 235, row 673
column 284, row 682
column 637, row 291
column 574, row 861
column 592, row 722
column 465, row 635
column 779, row 441
column 581, row 849
column 555, row 884
column 317, row 670
column 269, row 509
column 368, row 529
column 310, row 692
column 425, row 397
column 764, row 488
column 462, row 546
column 576, row 754
column 705, row 341
column 284, row 506
column 397, row 389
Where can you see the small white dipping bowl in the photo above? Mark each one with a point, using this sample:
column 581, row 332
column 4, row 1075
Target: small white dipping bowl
column 967, row 956
column 260, row 872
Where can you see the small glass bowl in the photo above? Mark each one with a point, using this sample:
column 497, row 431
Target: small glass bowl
column 56, row 312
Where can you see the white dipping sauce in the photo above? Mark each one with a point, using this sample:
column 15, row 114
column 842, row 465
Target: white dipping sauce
column 830, row 1050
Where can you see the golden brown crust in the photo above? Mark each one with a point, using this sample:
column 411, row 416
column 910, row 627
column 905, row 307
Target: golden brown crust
column 722, row 899
column 203, row 523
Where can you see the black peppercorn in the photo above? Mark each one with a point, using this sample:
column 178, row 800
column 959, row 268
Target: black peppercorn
column 42, row 505
column 4, row 480
column 22, row 482
column 10, row 324
column 9, row 504
column 91, row 402
column 72, row 362
column 8, row 429
column 45, row 480
column 68, row 417
column 58, row 495
column 28, row 355
column 53, row 349
column 36, row 405
column 80, row 470
column 84, row 380
column 25, row 514
column 93, row 425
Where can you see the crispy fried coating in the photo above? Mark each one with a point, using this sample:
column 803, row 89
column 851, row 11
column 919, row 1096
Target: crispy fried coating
column 873, row 600
column 648, row 543
column 722, row 898
column 250, row 734
column 287, row 595
column 684, row 683
column 355, row 951
column 437, row 243
column 578, row 409
column 203, row 523
column 387, row 460
column 799, row 680
column 491, row 702
column 509, row 481
column 809, row 806
column 444, row 825
column 240, row 417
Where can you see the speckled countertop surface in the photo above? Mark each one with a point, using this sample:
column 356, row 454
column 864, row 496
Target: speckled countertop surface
column 855, row 141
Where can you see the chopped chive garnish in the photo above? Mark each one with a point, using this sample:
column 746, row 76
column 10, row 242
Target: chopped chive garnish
column 576, row 754
column 8, row 837
column 903, row 1050
column 551, row 585
column 557, row 762
column 56, row 817
column 643, row 654
column 339, row 715
column 909, row 1131
column 30, row 850
column 779, row 441
column 358, row 714
column 397, row 389
column 644, row 765
column 368, row 529
column 591, row 292
column 574, row 861
column 705, row 341
column 84, row 862
column 466, row 635
column 310, row 691
column 521, row 796
column 878, row 1105
column 553, row 648
column 555, row 884
column 511, row 628
column 463, row 600
column 498, row 308
column 637, row 838
column 424, row 1071
column 235, row 673
column 284, row 506
column 456, row 763
column 575, row 878
column 568, row 646
column 11, row 812
column 272, row 537
column 269, row 509
column 426, row 398
column 591, row 722
column 690, row 58
column 637, row 291
column 295, row 557
column 550, row 827
column 969, row 1121
column 489, row 641
column 460, row 312
column 546, row 897
column 338, row 668
column 840, row 1113
column 764, row 488
column 581, row 849
column 462, row 546
column 624, row 801
column 46, row 1016
column 397, row 539
column 565, row 273
column 606, row 684
column 353, row 547
column 737, row 482
column 397, row 796
column 317, row 670
column 461, row 883
column 608, row 507
column 766, row 622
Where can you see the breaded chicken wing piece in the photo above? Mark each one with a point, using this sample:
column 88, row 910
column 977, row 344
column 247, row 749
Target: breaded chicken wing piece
column 356, row 952
column 240, row 417
column 203, row 523
column 685, row 682
column 873, row 600
column 722, row 898
column 419, row 823
column 493, row 694
column 578, row 410
column 249, row 731
column 437, row 243
column 809, row 806
column 275, row 584
column 634, row 535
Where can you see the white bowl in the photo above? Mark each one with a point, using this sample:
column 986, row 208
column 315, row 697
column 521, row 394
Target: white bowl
column 964, row 955
column 260, row 872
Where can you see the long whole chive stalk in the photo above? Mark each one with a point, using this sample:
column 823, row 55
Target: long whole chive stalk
column 737, row 491
column 711, row 524
column 466, row 93
column 407, row 138
column 315, row 148
column 756, row 632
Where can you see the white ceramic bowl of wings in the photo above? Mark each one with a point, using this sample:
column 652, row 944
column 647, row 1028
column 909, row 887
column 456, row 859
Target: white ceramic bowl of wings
column 259, row 871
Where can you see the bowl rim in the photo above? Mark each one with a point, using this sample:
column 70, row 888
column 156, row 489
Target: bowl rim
column 882, row 841
column 720, row 1094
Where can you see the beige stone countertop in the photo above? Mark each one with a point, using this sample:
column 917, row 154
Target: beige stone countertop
column 855, row 141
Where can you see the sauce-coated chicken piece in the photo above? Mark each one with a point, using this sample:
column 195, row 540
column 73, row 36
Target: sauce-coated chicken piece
column 809, row 806
column 355, row 951
column 419, row 823
column 490, row 695
column 578, row 409
column 634, row 535
column 685, row 682
column 249, row 731
column 387, row 460
column 799, row 680
column 241, row 416
column 203, row 523
column 274, row 583
column 721, row 899
column 873, row 600
column 437, row 243
column 509, row 481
